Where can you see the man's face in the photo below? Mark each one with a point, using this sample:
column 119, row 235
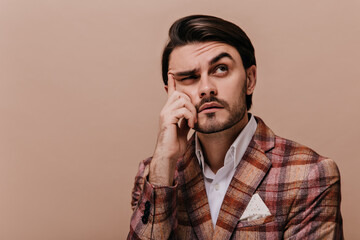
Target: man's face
column 213, row 76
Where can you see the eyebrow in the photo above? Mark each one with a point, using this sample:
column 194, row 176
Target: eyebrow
column 220, row 56
column 211, row 62
column 186, row 73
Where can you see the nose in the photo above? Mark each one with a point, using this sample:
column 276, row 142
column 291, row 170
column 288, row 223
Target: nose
column 206, row 87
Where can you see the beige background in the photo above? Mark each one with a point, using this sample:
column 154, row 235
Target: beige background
column 80, row 93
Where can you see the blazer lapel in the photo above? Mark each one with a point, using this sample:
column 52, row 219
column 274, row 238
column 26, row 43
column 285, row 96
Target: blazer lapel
column 248, row 175
column 193, row 193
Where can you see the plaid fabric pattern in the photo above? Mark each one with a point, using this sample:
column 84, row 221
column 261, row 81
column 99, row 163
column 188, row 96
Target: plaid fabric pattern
column 300, row 188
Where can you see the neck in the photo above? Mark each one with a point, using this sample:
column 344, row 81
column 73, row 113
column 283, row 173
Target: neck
column 215, row 145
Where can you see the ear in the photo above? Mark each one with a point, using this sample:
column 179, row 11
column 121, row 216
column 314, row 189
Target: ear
column 166, row 88
column 250, row 79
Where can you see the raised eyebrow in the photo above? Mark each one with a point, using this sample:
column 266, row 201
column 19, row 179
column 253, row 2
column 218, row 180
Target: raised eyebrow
column 220, row 56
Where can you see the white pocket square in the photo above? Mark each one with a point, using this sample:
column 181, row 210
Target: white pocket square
column 255, row 209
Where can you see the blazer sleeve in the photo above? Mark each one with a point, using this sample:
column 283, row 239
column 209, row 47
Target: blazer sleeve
column 315, row 212
column 154, row 208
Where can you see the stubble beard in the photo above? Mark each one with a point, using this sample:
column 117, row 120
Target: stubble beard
column 236, row 114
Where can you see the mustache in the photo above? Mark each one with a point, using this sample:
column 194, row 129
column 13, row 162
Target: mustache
column 212, row 99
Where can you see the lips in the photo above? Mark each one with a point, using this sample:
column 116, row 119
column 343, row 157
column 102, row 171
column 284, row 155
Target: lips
column 210, row 105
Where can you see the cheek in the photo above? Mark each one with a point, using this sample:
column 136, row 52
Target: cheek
column 232, row 94
column 190, row 92
column 236, row 89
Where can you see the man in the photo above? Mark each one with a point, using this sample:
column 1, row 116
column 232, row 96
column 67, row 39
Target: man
column 234, row 178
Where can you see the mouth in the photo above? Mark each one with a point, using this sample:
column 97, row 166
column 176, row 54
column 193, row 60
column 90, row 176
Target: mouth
column 210, row 107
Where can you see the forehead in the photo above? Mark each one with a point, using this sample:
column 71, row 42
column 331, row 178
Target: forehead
column 197, row 54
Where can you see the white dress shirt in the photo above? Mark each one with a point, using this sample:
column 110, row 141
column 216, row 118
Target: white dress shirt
column 217, row 184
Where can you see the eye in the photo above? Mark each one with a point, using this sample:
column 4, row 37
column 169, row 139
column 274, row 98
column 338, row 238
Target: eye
column 221, row 70
column 188, row 78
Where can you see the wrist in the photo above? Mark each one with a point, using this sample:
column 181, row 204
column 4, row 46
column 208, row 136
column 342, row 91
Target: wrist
column 161, row 171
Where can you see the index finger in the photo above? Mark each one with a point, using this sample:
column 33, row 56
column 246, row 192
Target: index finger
column 171, row 84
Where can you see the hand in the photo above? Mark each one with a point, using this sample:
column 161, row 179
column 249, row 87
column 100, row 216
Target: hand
column 172, row 138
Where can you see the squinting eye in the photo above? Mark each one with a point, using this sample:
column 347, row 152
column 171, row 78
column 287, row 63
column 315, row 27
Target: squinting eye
column 221, row 69
column 188, row 78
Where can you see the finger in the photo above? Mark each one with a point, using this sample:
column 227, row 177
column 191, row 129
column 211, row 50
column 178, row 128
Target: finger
column 176, row 96
column 184, row 113
column 183, row 102
column 171, row 84
column 192, row 109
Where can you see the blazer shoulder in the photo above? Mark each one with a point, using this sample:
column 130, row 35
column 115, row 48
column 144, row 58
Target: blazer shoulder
column 293, row 152
column 287, row 153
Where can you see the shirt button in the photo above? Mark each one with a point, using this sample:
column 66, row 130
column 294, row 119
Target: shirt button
column 216, row 187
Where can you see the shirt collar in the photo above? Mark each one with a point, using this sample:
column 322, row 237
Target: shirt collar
column 237, row 148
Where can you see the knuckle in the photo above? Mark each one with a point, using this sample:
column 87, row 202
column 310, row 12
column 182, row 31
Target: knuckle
column 176, row 94
column 182, row 101
column 163, row 115
column 162, row 112
column 186, row 113
column 182, row 111
column 162, row 118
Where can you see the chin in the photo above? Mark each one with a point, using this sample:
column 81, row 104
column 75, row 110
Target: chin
column 214, row 123
column 213, row 127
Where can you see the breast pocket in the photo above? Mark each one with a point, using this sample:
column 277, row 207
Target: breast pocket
column 256, row 222
column 263, row 228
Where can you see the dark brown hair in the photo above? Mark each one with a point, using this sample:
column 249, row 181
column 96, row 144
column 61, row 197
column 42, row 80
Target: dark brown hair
column 203, row 28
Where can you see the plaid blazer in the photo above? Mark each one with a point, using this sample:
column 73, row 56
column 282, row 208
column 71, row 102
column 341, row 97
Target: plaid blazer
column 300, row 188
